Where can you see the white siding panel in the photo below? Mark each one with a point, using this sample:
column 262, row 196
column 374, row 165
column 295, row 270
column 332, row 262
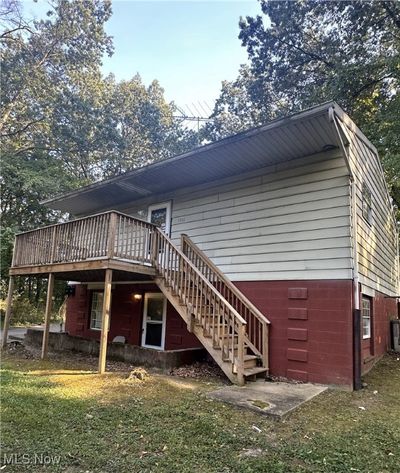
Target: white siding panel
column 289, row 275
column 287, row 247
column 377, row 243
column 247, row 235
column 288, row 266
column 308, row 255
column 289, row 224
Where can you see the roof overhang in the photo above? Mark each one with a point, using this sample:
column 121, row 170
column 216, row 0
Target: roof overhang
column 302, row 134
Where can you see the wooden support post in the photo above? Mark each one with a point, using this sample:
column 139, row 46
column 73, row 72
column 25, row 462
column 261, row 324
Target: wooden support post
column 47, row 315
column 105, row 321
column 240, row 357
column 7, row 317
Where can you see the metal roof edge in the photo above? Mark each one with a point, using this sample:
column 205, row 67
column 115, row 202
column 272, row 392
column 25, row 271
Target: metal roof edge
column 348, row 121
column 232, row 139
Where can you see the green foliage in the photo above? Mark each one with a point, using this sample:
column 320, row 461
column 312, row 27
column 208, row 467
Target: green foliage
column 305, row 53
column 62, row 124
column 6, row 249
column 24, row 311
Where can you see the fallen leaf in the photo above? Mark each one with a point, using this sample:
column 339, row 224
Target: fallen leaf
column 256, row 429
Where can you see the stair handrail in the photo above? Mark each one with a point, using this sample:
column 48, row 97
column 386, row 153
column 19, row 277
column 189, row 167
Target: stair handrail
column 262, row 347
column 186, row 240
column 196, row 270
column 173, row 268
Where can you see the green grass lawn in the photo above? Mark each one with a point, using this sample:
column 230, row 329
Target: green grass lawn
column 166, row 424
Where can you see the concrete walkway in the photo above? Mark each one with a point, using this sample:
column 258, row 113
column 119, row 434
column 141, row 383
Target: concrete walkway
column 18, row 333
column 268, row 398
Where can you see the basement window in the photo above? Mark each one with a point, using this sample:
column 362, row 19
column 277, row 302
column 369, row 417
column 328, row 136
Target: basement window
column 367, row 203
column 366, row 317
column 96, row 310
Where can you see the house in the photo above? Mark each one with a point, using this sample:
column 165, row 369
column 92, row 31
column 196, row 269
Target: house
column 275, row 249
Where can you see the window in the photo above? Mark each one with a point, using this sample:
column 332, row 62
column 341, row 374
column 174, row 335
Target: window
column 366, row 317
column 367, row 203
column 160, row 215
column 96, row 310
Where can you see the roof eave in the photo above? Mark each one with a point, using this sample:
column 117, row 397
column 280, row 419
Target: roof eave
column 279, row 122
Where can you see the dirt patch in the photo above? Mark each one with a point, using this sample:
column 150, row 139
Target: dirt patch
column 17, row 348
column 260, row 404
column 200, row 370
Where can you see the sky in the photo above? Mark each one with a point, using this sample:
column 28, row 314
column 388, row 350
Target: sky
column 189, row 46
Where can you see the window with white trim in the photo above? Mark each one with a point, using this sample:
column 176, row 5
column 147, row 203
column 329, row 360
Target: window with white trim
column 367, row 203
column 96, row 310
column 366, row 317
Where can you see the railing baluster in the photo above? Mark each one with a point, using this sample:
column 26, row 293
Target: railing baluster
column 257, row 324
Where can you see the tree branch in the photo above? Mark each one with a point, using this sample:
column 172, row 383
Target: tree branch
column 392, row 14
column 21, row 130
column 18, row 28
column 307, row 53
column 370, row 84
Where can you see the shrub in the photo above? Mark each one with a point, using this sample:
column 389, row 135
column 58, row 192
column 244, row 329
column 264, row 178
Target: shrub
column 24, row 312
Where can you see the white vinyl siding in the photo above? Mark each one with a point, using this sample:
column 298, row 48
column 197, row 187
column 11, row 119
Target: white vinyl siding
column 274, row 224
column 377, row 238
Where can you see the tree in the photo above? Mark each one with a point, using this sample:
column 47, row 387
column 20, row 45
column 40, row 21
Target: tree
column 141, row 126
column 234, row 110
column 305, row 53
column 62, row 124
column 43, row 58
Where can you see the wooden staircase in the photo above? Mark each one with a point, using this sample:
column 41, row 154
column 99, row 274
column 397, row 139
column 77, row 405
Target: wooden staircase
column 229, row 326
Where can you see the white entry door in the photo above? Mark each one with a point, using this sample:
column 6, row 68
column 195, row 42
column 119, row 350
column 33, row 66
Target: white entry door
column 154, row 315
column 160, row 215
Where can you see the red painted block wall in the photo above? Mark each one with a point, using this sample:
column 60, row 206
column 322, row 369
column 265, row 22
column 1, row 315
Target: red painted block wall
column 311, row 332
column 126, row 317
column 311, row 328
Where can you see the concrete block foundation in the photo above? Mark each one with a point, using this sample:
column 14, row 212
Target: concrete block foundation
column 165, row 360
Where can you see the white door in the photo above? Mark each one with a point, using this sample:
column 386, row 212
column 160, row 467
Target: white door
column 160, row 215
column 154, row 315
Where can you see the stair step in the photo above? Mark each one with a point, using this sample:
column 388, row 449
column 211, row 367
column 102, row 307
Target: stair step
column 255, row 370
column 250, row 361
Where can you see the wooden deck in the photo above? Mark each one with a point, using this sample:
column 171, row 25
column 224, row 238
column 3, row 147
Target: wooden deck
column 109, row 240
column 111, row 246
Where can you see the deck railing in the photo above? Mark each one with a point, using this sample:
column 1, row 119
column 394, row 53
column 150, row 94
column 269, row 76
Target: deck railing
column 106, row 235
column 232, row 322
column 257, row 324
